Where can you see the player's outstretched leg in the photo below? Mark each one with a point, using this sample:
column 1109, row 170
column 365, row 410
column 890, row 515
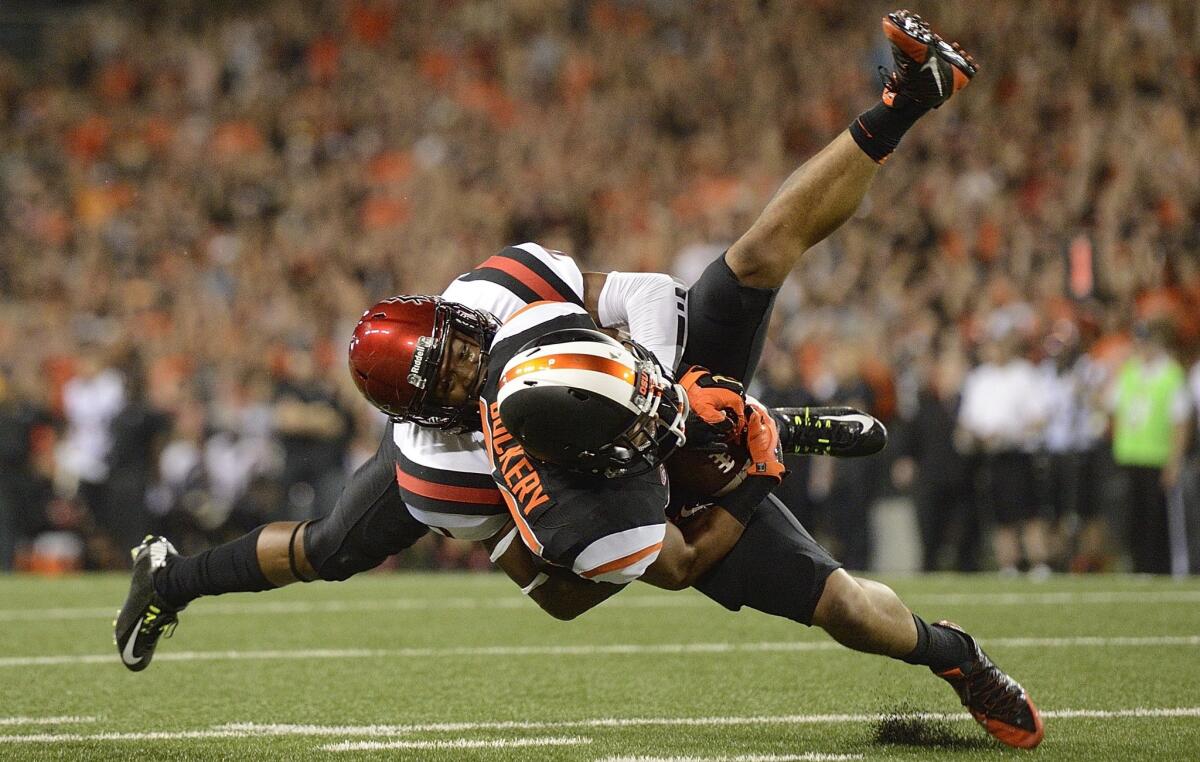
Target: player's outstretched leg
column 729, row 306
column 825, row 191
column 869, row 616
column 843, row 432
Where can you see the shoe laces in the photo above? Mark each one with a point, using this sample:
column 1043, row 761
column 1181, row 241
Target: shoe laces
column 887, row 78
column 808, row 433
column 995, row 693
column 162, row 624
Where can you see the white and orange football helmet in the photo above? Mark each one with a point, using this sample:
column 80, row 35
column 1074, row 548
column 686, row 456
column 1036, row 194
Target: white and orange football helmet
column 582, row 400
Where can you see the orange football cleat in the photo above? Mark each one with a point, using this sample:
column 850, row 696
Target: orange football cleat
column 928, row 69
column 995, row 700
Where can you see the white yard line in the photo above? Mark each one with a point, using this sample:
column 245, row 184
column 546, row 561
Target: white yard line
column 214, row 608
column 631, row 649
column 807, row 757
column 458, row 743
column 639, row 722
column 1054, row 598
column 157, row 735
column 249, row 729
column 69, row 719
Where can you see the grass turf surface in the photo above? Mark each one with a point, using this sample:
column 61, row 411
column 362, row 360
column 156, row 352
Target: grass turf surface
column 469, row 654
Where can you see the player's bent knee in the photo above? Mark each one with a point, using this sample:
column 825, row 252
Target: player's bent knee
column 844, row 605
column 759, row 267
column 331, row 557
column 342, row 567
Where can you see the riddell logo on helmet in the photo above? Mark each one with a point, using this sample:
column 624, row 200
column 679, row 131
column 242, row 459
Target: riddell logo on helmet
column 415, row 377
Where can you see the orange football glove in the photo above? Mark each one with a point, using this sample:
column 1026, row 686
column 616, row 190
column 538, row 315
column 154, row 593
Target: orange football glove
column 765, row 470
column 718, row 409
column 762, row 439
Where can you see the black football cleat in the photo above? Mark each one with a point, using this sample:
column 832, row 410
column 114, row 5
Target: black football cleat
column 995, row 700
column 928, row 69
column 842, row 432
column 145, row 616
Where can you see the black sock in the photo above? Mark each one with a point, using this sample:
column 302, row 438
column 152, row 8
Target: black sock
column 939, row 648
column 229, row 568
column 878, row 129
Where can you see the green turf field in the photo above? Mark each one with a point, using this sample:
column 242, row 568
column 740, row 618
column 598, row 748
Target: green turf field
column 458, row 667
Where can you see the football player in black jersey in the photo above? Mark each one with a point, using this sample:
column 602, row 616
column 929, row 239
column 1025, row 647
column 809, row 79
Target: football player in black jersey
column 582, row 416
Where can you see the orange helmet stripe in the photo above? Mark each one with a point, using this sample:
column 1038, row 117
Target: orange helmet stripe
column 570, row 362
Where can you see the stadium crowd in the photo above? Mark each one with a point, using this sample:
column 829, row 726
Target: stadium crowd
column 199, row 199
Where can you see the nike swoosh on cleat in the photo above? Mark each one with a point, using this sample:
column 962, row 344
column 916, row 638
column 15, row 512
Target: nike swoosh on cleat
column 931, row 64
column 127, row 653
column 866, row 421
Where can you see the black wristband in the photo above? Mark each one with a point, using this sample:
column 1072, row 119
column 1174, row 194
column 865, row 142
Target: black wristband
column 745, row 499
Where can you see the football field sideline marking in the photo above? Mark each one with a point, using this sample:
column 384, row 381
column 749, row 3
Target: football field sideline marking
column 64, row 720
column 630, row 649
column 212, row 608
column 810, row 756
column 458, row 743
column 255, row 730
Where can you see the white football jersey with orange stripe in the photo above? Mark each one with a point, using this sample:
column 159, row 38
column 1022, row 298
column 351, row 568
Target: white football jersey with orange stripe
column 445, row 478
column 607, row 530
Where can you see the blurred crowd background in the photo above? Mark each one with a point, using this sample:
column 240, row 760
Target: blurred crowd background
column 200, row 198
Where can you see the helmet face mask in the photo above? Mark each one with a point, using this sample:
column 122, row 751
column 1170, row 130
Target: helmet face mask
column 581, row 400
column 396, row 354
column 648, row 441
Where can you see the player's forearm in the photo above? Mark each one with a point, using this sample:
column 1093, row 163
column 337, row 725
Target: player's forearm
column 703, row 541
column 559, row 593
column 565, row 596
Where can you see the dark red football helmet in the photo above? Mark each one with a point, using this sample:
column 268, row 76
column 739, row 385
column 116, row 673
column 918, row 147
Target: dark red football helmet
column 396, row 350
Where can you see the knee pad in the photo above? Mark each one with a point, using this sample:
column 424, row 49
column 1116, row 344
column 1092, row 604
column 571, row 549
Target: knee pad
column 331, row 553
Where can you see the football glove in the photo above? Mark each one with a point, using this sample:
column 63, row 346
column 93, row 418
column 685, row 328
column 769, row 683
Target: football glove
column 718, row 405
column 764, row 471
column 762, row 440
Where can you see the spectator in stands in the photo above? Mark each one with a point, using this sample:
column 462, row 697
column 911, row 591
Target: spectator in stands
column 315, row 430
column 22, row 489
column 941, row 476
column 1001, row 417
column 139, row 432
column 1150, row 432
column 853, row 486
column 90, row 402
column 1074, row 441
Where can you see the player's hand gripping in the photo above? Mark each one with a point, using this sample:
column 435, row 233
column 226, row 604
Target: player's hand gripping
column 762, row 440
column 718, row 406
column 764, row 471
